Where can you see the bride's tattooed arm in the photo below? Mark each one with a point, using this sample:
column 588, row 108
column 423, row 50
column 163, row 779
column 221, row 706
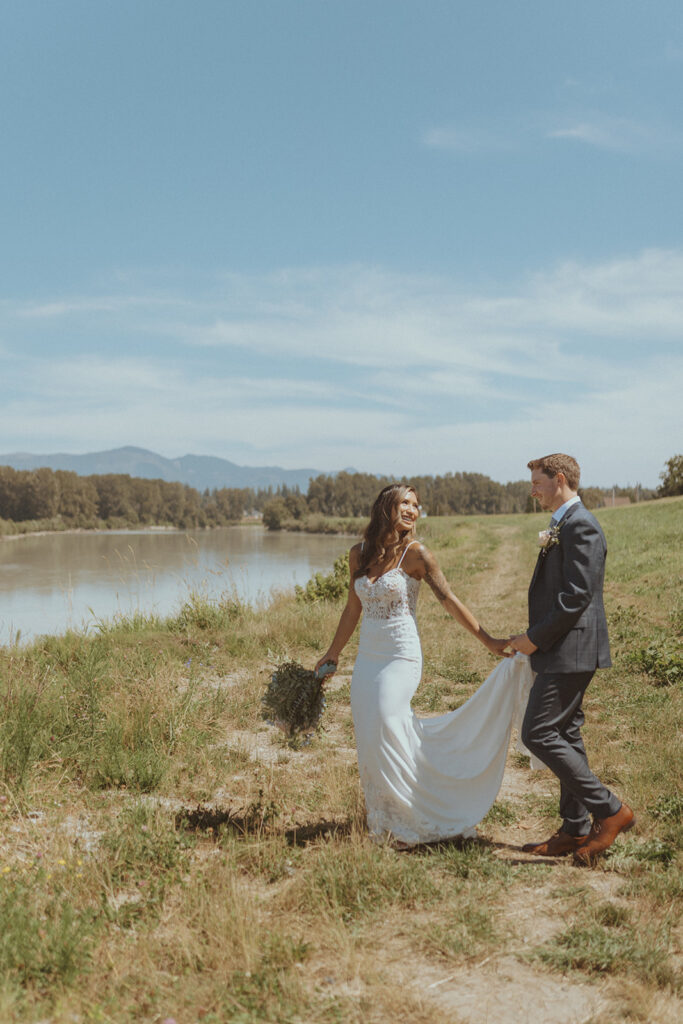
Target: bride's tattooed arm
column 434, row 576
column 428, row 570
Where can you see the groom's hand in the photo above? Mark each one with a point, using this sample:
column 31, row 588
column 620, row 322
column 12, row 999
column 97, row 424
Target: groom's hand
column 522, row 643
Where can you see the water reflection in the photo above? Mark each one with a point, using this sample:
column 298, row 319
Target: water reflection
column 52, row 582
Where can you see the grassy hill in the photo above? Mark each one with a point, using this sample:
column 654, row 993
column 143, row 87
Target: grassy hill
column 165, row 855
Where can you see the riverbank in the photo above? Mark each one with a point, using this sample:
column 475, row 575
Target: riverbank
column 39, row 529
column 165, row 854
column 89, row 530
column 351, row 526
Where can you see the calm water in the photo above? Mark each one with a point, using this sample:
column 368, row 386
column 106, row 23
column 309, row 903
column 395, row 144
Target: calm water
column 50, row 583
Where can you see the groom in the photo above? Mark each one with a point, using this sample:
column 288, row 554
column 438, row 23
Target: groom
column 567, row 641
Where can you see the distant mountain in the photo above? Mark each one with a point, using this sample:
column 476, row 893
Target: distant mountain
column 200, row 471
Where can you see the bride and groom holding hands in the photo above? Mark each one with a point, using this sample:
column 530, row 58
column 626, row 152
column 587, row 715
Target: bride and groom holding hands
column 426, row 779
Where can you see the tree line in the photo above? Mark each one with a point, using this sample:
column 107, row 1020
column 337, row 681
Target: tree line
column 352, row 494
column 63, row 499
column 348, row 495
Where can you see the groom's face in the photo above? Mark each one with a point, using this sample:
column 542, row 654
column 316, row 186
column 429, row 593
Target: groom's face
column 546, row 489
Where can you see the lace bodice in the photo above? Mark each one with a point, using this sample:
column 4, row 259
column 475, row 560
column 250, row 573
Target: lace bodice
column 393, row 595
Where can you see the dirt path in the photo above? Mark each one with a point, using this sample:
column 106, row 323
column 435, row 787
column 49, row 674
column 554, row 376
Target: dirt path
column 502, row 988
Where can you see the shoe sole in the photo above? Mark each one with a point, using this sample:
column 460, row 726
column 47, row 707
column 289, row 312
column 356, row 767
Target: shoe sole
column 538, row 853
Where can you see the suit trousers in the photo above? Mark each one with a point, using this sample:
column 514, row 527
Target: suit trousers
column 552, row 731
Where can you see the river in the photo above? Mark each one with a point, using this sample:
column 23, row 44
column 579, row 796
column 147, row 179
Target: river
column 73, row 580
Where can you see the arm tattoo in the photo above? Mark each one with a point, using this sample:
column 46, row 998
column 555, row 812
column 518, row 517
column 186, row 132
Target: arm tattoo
column 438, row 582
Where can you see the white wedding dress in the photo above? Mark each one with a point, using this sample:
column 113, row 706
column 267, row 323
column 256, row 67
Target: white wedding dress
column 424, row 779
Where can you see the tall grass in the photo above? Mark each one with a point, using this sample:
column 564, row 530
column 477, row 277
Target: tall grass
column 164, row 855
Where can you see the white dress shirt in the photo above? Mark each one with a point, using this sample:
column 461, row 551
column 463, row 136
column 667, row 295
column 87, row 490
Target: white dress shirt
column 559, row 512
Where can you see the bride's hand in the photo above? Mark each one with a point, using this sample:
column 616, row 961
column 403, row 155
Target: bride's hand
column 321, row 661
column 497, row 647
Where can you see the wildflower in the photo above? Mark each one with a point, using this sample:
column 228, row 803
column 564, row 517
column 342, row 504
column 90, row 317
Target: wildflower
column 548, row 538
column 61, row 861
column 6, row 870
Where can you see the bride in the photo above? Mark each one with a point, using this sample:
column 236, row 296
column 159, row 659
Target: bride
column 423, row 779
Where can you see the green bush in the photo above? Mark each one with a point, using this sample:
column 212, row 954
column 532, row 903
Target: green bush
column 274, row 514
column 661, row 662
column 331, row 586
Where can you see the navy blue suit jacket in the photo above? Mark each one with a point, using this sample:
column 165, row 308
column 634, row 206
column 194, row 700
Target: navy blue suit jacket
column 566, row 612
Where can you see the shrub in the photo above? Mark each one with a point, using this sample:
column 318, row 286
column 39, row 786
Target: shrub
column 660, row 662
column 327, row 587
column 274, row 514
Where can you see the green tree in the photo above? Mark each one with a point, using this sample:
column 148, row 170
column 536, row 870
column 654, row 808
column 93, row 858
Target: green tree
column 8, row 492
column 39, row 492
column 274, row 514
column 592, row 497
column 77, row 497
column 671, row 477
column 114, row 496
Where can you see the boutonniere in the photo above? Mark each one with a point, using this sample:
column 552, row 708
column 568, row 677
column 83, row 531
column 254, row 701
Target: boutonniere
column 548, row 538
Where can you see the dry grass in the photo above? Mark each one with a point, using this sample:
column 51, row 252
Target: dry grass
column 165, row 854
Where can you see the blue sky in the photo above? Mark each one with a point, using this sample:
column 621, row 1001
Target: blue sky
column 408, row 237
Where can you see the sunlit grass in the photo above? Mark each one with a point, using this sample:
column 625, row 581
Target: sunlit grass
column 163, row 852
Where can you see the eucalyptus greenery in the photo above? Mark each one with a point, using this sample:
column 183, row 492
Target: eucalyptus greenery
column 294, row 700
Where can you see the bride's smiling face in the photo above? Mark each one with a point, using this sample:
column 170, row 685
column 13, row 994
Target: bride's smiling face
column 408, row 510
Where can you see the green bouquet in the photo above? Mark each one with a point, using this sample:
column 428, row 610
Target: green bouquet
column 294, row 700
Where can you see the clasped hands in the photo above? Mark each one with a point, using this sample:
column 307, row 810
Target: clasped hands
column 508, row 647
column 521, row 642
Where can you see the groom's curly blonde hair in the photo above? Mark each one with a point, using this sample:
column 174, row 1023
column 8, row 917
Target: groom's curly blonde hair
column 551, row 465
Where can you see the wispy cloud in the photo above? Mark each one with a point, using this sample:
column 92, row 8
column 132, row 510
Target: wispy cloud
column 599, row 130
column 94, row 304
column 357, row 365
column 618, row 134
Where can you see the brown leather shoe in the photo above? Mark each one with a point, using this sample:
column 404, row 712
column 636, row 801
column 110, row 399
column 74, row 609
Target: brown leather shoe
column 603, row 834
column 558, row 845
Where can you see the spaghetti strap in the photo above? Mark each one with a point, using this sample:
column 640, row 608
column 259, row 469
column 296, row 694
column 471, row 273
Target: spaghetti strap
column 404, row 552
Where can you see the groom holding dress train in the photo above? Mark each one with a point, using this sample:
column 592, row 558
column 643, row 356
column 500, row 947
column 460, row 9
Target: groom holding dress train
column 567, row 641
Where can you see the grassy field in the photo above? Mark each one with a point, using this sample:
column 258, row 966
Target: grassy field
column 166, row 856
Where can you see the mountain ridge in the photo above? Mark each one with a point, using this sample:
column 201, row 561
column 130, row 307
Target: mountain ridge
column 199, row 471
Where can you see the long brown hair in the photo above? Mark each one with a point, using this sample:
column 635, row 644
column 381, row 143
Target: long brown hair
column 382, row 540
